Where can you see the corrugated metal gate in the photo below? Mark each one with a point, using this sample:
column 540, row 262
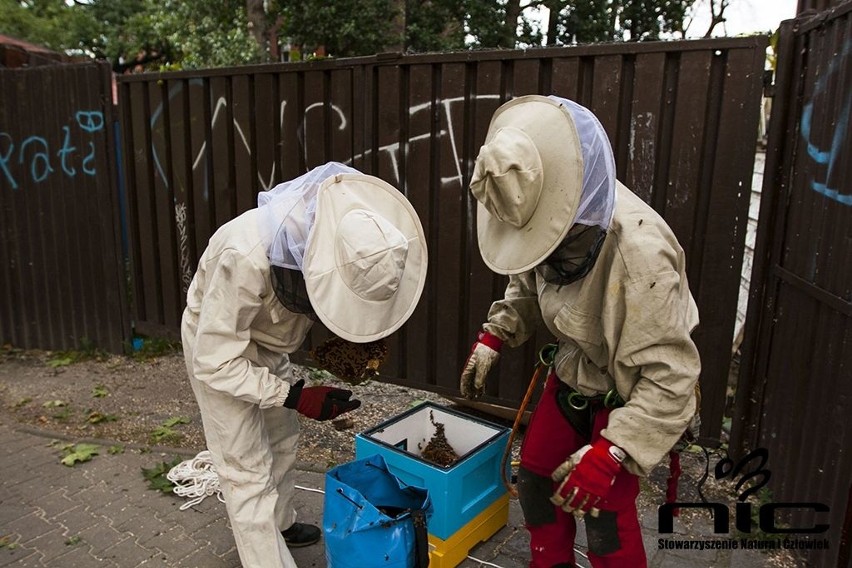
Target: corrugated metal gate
column 796, row 381
column 682, row 117
column 62, row 280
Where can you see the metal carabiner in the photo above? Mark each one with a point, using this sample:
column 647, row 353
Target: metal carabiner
column 575, row 396
column 613, row 399
column 547, row 354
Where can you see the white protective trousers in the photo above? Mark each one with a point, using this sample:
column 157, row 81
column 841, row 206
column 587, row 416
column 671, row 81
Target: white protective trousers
column 254, row 451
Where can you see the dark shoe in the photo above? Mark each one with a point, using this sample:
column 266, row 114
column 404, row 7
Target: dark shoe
column 300, row 535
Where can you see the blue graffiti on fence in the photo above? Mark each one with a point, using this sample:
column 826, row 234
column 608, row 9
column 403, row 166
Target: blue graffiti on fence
column 829, row 157
column 34, row 154
column 90, row 120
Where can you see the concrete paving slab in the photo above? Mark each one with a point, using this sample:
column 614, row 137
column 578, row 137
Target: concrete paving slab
column 101, row 513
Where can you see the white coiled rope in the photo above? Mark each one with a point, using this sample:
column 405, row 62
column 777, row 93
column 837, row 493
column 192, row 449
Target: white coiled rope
column 195, row 478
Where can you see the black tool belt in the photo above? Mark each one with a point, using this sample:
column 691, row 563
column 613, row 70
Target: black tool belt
column 579, row 410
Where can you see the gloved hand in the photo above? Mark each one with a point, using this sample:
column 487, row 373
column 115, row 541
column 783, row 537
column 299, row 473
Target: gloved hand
column 320, row 403
column 586, row 477
column 483, row 355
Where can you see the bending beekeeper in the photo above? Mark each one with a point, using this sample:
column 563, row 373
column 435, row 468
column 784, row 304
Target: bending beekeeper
column 605, row 274
column 333, row 245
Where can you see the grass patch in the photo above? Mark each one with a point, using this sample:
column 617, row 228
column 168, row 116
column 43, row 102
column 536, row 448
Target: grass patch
column 86, row 351
column 100, row 391
column 63, row 411
column 153, row 347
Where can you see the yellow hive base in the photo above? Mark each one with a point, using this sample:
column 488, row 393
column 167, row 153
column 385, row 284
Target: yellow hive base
column 451, row 552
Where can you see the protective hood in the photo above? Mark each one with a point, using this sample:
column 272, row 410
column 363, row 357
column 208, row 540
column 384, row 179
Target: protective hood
column 546, row 164
column 346, row 248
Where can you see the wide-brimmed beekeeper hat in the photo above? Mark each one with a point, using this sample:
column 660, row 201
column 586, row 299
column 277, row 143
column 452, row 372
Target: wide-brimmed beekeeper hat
column 529, row 179
column 359, row 245
column 365, row 263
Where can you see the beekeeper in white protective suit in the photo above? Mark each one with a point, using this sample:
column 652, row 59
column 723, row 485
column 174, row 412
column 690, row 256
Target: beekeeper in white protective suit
column 334, row 245
column 606, row 275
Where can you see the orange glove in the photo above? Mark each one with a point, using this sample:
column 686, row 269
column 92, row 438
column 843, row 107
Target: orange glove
column 320, row 403
column 586, row 477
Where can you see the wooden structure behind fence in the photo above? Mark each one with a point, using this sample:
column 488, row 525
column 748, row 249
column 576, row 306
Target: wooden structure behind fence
column 682, row 117
column 795, row 390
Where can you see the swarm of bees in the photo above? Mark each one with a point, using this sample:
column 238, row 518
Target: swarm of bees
column 438, row 450
column 353, row 363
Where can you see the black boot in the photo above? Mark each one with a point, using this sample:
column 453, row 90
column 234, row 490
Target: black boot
column 301, row 534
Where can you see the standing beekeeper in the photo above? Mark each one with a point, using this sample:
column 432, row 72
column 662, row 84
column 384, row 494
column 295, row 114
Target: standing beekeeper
column 333, row 245
column 605, row 274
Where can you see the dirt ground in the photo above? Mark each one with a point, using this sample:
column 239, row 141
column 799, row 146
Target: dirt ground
column 147, row 403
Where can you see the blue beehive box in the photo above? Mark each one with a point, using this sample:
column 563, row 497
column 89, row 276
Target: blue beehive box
column 460, row 491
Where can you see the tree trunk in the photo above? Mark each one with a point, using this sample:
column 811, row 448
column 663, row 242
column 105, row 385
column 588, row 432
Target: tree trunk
column 510, row 27
column 554, row 7
column 400, row 20
column 615, row 6
column 257, row 24
column 272, row 39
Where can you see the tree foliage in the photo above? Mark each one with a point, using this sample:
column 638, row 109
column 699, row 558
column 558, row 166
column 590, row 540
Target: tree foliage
column 614, row 20
column 343, row 27
column 41, row 22
column 137, row 34
column 172, row 34
column 434, row 25
column 200, row 33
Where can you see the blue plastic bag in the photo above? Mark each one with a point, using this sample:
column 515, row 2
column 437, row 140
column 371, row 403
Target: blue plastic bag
column 371, row 518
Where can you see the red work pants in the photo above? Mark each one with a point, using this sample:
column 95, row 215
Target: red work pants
column 615, row 538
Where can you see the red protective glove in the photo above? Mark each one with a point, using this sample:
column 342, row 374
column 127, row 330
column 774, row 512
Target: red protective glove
column 586, row 477
column 320, row 403
column 483, row 354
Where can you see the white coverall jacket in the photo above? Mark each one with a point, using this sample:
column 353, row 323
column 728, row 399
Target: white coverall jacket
column 625, row 325
column 236, row 337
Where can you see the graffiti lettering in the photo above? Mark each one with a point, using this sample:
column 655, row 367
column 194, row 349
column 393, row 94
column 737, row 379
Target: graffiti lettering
column 183, row 246
column 824, row 154
column 67, row 148
column 89, row 120
column 40, row 161
column 443, row 113
column 88, row 169
column 4, row 158
column 34, row 158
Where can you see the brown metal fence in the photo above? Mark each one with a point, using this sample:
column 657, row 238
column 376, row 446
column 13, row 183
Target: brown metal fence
column 796, row 382
column 62, row 277
column 682, row 117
